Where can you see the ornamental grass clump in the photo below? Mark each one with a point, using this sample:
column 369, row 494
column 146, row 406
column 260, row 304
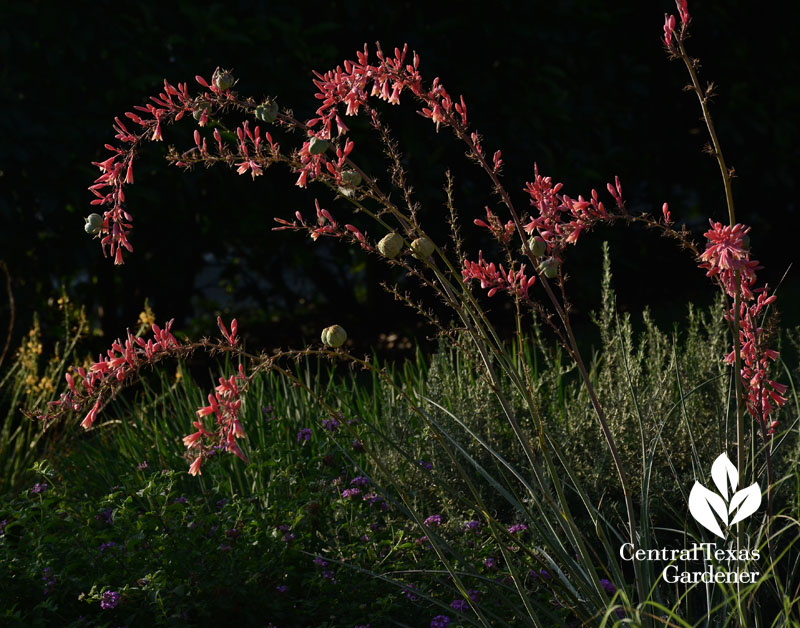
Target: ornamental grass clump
column 570, row 550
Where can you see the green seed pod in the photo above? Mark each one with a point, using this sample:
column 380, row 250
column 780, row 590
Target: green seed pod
column 334, row 336
column 223, row 80
column 351, row 179
column 94, row 222
column 549, row 267
column 422, row 248
column 390, row 245
column 318, row 146
column 198, row 113
column 746, row 242
column 267, row 111
column 536, row 245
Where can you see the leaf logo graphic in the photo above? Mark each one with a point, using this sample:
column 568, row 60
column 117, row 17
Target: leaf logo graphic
column 710, row 508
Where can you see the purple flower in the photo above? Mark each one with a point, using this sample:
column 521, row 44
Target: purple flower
column 330, row 424
column 608, row 586
column 142, row 465
column 517, row 527
column 473, row 594
column 433, row 520
column 49, row 580
column 104, row 516
column 359, row 481
column 268, row 411
column 40, row 488
column 474, row 526
column 221, row 503
column 3, row 525
column 328, row 575
column 440, row 621
column 364, row 538
column 105, row 546
column 320, row 562
column 110, row 600
column 357, row 445
column 349, row 493
column 489, row 562
column 427, row 466
column 363, row 626
column 281, row 588
column 180, row 500
column 233, row 533
column 459, row 605
column 304, row 435
column 407, row 591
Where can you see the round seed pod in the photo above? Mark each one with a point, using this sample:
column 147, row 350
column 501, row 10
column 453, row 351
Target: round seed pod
column 536, row 245
column 351, row 179
column 318, row 146
column 94, row 222
column 223, row 80
column 334, row 336
column 390, row 245
column 198, row 113
column 422, row 248
column 267, row 111
column 549, row 267
column 746, row 242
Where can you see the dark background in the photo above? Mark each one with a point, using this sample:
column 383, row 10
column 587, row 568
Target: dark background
column 582, row 88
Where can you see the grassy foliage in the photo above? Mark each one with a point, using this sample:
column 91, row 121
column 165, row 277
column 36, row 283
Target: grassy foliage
column 115, row 512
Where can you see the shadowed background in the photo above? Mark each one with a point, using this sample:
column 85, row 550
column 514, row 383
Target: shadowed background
column 584, row 89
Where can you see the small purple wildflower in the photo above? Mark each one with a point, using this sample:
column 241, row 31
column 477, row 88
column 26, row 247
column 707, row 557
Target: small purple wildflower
column 105, row 546
column 473, row 526
column 329, row 575
column 104, row 516
column 3, row 525
column 180, row 500
column 221, row 503
column 330, row 424
column 142, row 465
column 349, row 493
column 374, row 526
column 268, row 412
column 359, row 481
column 353, row 421
column 409, row 593
column 40, row 488
column 543, row 573
column 608, row 586
column 517, row 528
column 425, row 465
column 320, row 562
column 489, row 562
column 433, row 520
column 281, row 588
column 364, row 538
column 224, row 547
column 358, row 445
column 233, row 533
column 440, row 621
column 109, row 600
column 304, row 435
column 459, row 605
column 49, row 580
column 364, row 626
column 473, row 594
